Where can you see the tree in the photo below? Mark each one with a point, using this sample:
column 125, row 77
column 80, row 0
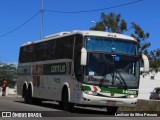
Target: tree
column 111, row 23
column 9, row 72
column 158, row 53
column 114, row 23
column 154, row 58
column 99, row 27
column 140, row 36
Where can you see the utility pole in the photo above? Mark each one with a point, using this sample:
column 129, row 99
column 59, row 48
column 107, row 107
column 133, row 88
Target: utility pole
column 41, row 23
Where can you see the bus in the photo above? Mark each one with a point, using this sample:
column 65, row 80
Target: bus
column 88, row 68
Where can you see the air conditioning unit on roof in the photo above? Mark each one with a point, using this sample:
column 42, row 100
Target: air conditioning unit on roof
column 56, row 35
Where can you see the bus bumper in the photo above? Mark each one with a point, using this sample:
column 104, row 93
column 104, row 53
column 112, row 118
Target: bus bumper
column 106, row 101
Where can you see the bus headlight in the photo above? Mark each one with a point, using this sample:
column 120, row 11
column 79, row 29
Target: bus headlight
column 131, row 96
column 90, row 92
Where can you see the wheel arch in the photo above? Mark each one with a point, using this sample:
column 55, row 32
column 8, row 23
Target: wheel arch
column 30, row 86
column 66, row 87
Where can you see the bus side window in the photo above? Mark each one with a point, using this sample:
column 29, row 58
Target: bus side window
column 68, row 47
column 30, row 53
column 64, row 47
column 23, row 54
column 77, row 56
column 44, row 48
column 27, row 54
column 52, row 52
column 38, row 51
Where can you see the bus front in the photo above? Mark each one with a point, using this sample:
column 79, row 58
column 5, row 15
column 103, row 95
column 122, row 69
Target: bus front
column 111, row 73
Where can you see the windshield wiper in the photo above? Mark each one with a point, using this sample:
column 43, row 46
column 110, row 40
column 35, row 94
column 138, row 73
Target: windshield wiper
column 121, row 79
column 113, row 76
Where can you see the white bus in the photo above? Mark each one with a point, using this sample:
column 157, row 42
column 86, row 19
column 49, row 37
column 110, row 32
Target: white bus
column 89, row 68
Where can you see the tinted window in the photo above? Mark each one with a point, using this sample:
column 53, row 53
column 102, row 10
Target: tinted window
column 61, row 48
column 77, row 56
column 64, row 48
column 27, row 54
column 111, row 45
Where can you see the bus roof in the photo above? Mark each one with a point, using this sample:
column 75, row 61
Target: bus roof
column 85, row 33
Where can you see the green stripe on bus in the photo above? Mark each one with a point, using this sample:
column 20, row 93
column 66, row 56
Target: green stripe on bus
column 119, row 91
column 112, row 90
column 86, row 88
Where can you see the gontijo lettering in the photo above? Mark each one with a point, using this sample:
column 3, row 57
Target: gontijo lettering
column 58, row 68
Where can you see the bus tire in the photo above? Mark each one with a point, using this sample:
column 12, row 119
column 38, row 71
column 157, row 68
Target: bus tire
column 66, row 105
column 60, row 104
column 111, row 110
column 29, row 97
column 32, row 100
column 37, row 101
column 25, row 94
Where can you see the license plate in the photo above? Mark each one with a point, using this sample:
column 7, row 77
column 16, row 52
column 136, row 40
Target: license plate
column 110, row 102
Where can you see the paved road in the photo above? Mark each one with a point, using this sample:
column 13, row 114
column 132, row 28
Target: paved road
column 48, row 110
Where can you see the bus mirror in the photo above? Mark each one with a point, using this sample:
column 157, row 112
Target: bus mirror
column 146, row 63
column 83, row 56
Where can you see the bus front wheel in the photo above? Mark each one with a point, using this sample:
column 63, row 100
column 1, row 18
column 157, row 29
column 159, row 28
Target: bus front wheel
column 112, row 110
column 66, row 105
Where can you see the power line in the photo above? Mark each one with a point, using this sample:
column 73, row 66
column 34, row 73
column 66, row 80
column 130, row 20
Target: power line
column 68, row 12
column 18, row 27
column 94, row 10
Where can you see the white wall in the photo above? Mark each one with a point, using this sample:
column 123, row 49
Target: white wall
column 9, row 91
column 147, row 85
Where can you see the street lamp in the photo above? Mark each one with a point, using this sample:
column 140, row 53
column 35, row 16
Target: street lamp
column 93, row 22
column 96, row 23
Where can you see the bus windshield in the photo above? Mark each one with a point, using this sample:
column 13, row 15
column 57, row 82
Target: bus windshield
column 117, row 64
column 111, row 45
column 112, row 70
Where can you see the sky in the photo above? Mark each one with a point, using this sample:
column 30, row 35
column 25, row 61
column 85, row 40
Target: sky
column 14, row 13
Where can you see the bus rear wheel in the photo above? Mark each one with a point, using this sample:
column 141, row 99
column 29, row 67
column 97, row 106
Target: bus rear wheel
column 25, row 94
column 66, row 105
column 31, row 100
column 29, row 97
column 112, row 110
